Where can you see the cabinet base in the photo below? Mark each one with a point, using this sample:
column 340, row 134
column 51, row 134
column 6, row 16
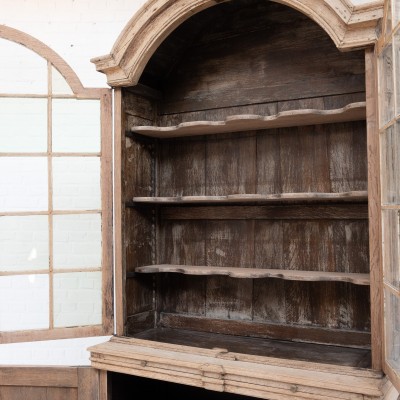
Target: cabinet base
column 220, row 370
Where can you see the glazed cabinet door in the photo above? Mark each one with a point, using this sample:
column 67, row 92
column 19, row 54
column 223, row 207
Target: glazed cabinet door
column 55, row 197
column 388, row 53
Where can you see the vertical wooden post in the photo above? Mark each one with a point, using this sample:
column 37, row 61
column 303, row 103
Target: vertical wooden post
column 119, row 248
column 375, row 238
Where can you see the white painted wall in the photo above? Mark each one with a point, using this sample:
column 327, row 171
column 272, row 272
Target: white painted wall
column 77, row 30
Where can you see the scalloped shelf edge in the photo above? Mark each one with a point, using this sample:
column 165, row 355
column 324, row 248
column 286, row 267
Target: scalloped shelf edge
column 248, row 122
column 243, row 198
column 250, row 273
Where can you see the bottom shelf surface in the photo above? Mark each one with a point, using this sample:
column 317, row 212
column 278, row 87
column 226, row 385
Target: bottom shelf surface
column 316, row 353
column 261, row 368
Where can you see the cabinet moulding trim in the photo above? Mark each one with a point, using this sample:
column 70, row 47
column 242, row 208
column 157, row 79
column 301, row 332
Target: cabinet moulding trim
column 350, row 27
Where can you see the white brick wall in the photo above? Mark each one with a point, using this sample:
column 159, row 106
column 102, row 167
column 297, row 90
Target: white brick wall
column 24, row 186
column 23, row 134
column 77, row 241
column 77, row 299
column 76, row 125
column 24, row 243
column 76, row 183
column 24, row 302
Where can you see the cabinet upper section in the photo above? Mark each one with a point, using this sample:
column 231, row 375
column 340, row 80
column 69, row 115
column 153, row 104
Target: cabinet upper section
column 349, row 26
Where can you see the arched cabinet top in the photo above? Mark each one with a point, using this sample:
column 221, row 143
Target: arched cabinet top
column 350, row 27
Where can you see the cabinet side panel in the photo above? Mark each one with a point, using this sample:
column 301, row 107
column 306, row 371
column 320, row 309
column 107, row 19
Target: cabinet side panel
column 138, row 176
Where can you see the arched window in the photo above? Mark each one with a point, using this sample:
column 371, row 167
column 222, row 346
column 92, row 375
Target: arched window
column 55, row 197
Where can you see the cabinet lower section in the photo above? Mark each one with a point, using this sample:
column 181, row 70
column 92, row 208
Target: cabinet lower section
column 219, row 369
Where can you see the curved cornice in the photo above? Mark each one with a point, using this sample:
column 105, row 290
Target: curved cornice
column 350, row 27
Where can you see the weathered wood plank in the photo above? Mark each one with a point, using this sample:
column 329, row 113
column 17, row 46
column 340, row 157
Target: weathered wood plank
column 181, row 168
column 360, row 195
column 229, row 242
column 250, row 273
column 224, row 70
column 348, row 156
column 231, row 165
column 88, row 384
column 181, row 243
column 251, row 122
column 36, row 393
column 289, row 212
column 39, row 376
column 297, row 333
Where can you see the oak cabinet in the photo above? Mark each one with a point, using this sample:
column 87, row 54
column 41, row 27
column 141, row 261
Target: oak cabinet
column 248, row 238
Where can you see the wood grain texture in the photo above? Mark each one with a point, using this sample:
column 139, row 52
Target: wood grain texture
column 183, row 242
column 261, row 346
column 181, row 168
column 250, row 122
column 374, row 209
column 253, row 198
column 218, row 369
column 349, row 27
column 251, row 273
column 287, row 212
column 228, row 242
column 88, row 384
column 35, row 393
column 107, row 212
column 221, row 69
column 49, row 383
column 39, row 376
column 230, row 165
column 257, row 214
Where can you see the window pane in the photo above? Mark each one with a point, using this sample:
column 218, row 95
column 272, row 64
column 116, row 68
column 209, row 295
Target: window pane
column 23, row 125
column 392, row 329
column 386, row 86
column 390, row 159
column 76, row 183
column 24, row 302
column 396, row 41
column 58, row 84
column 23, row 184
column 24, row 243
column 77, row 299
column 76, row 126
column 77, row 241
column 396, row 12
column 391, row 231
column 21, row 70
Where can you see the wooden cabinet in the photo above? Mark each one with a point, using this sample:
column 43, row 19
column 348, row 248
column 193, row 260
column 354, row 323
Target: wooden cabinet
column 244, row 214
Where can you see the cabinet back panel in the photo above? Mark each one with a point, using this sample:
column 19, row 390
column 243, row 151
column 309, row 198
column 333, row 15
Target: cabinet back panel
column 316, row 158
column 313, row 245
column 250, row 52
column 319, row 245
column 334, row 305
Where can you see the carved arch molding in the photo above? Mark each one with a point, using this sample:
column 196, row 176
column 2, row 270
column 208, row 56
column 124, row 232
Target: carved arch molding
column 350, row 27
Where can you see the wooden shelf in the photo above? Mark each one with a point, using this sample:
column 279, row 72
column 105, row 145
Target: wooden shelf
column 257, row 198
column 223, row 369
column 248, row 273
column 247, row 122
